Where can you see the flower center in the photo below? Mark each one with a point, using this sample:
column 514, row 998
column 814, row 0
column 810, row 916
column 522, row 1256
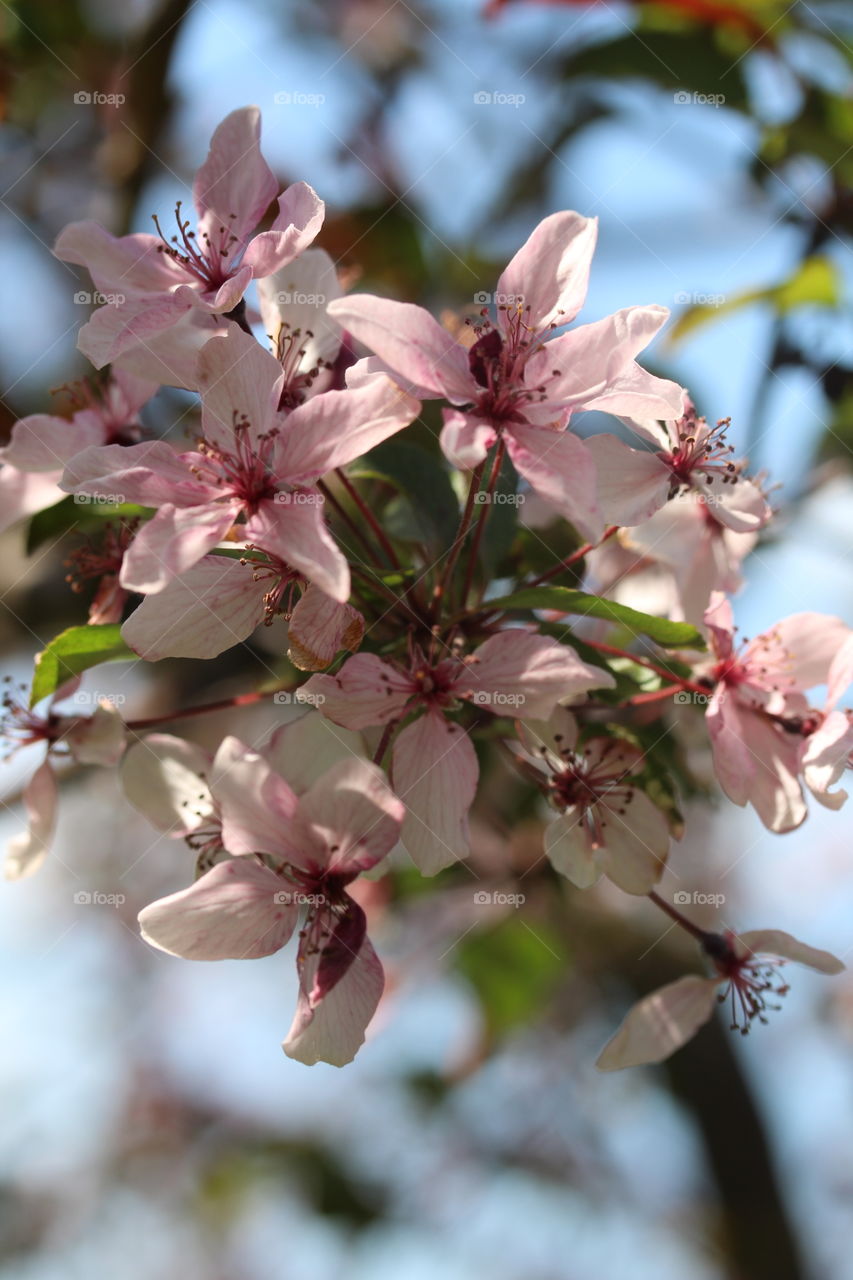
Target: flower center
column 290, row 353
column 21, row 727
column 498, row 360
column 207, row 263
column 751, row 982
column 701, row 452
column 244, row 472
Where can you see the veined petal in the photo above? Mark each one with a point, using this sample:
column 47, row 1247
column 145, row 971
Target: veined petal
column 366, row 691
column 341, row 983
column 172, row 542
column 296, row 297
column 550, row 272
column 636, row 842
column 740, row 506
column 299, row 219
column 353, row 815
column 258, row 807
column 800, row 649
column 660, row 1024
column 207, row 609
column 304, row 749
column 519, row 674
column 775, row 942
column 292, row 528
column 239, row 381
column 319, row 628
column 118, row 264
column 466, row 439
column 165, row 778
column 411, row 343
column 560, row 468
column 151, row 473
column 42, row 442
column 632, row 484
column 824, row 757
column 169, row 358
column 239, row 910
column 570, row 851
column 235, row 186
column 435, row 772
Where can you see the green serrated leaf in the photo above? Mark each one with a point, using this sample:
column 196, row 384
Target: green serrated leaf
column 74, row 651
column 671, row 635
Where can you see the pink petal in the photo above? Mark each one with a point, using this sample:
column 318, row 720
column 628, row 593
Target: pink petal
column 519, row 674
column 169, row 358
column 769, row 768
column 800, row 649
column 353, row 815
column 22, row 493
column 304, row 749
column 119, row 265
column 636, row 843
column 235, row 185
column 411, row 343
column 466, row 439
column 340, row 988
column 775, row 942
column 559, row 467
column 172, row 542
column 319, row 628
column 366, row 691
column 660, row 1024
column 297, row 223
column 333, row 428
column 151, row 473
column 295, row 296
column 165, row 779
column 550, row 272
column 825, row 757
column 570, row 851
column 435, row 774
column 114, row 330
column 632, row 484
column 293, row 529
column 239, row 910
column 42, row 442
column 840, row 673
column 239, row 381
column 740, row 506
column 98, row 739
column 27, row 851
column 200, row 614
column 258, row 807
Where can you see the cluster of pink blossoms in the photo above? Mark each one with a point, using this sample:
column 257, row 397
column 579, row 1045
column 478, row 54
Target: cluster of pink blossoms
column 421, row 649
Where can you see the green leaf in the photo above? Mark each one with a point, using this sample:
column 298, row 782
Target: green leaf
column 432, row 508
column 672, row 635
column 72, row 515
column 514, row 969
column 74, row 651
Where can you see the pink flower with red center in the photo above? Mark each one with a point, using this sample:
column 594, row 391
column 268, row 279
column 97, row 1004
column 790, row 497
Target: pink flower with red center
column 518, row 381
column 758, row 710
column 95, row 739
column 607, row 825
column 434, row 766
column 687, row 455
column 746, row 977
column 296, row 853
column 153, row 282
column 255, row 463
column 40, row 446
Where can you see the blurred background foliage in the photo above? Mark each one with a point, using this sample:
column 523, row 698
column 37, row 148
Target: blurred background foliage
column 153, row 1127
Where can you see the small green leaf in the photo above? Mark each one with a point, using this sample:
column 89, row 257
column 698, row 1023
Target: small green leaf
column 72, row 515
column 74, row 651
column 672, row 635
column 433, row 509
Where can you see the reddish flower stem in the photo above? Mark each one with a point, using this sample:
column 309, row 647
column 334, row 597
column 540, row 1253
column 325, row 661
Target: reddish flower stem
column 464, row 525
column 482, row 516
column 701, row 935
column 678, row 681
column 574, row 557
column 364, row 510
column 384, row 741
column 239, row 700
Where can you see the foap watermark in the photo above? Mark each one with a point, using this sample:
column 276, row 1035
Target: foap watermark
column 288, row 898
column 83, row 98
column 497, row 98
column 95, row 898
column 83, row 298
column 682, row 98
column 99, row 499
column 685, row 697
column 297, row 299
column 489, row 898
column 499, row 499
column 87, row 698
column 686, row 898
column 494, row 698
column 482, row 298
column 297, row 98
column 299, row 697
column 299, row 498
column 699, row 299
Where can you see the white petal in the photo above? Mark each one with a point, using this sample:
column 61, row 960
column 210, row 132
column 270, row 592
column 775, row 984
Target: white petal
column 660, row 1024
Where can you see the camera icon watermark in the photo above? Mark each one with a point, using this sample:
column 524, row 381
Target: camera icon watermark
column 686, row 898
column 294, row 898
column 486, row 898
column 496, row 698
column 686, row 697
column 299, row 698
column 99, row 499
column 83, row 298
column 496, row 98
column 482, row 298
column 301, row 299
column 83, row 98
column 682, row 98
column 499, row 499
column 296, row 98
column 299, row 498
column 95, row 898
column 85, row 698
column 683, row 299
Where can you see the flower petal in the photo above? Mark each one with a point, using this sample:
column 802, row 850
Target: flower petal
column 173, row 542
column 550, row 272
column 297, row 223
column 165, row 778
column 239, row 910
column 151, row 473
column 258, row 807
column 825, row 756
column 775, row 942
column 27, row 851
column 319, row 628
column 235, row 186
column 296, row 532
column 519, row 674
column 435, row 774
column 366, row 691
column 207, row 609
column 660, row 1024
column 353, row 815
column 632, row 484
column 560, row 468
column 304, row 749
column 466, row 439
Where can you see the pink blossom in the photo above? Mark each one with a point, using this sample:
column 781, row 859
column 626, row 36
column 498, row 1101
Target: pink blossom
column 607, row 825
column 746, row 975
column 687, row 455
column 756, row 713
column 306, row 340
column 519, row 382
column 434, row 766
column 294, row 853
column 95, row 739
column 255, row 463
column 828, row 750
column 154, row 281
column 40, row 446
